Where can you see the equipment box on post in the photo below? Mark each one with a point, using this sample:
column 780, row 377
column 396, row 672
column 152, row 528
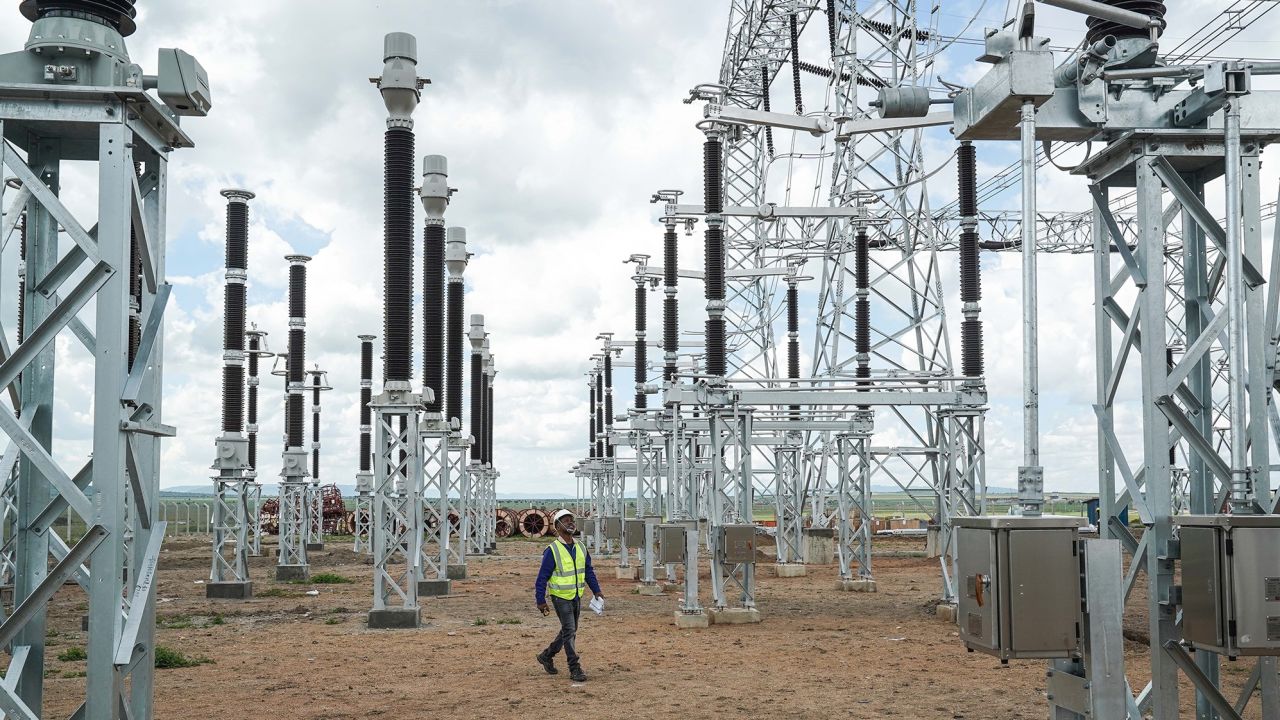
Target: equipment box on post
column 1231, row 583
column 612, row 527
column 1019, row 585
column 737, row 544
column 671, row 544
column 633, row 532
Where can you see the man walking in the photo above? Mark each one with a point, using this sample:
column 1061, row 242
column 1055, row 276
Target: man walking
column 566, row 570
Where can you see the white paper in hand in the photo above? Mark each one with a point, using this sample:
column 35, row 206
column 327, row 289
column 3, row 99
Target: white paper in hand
column 597, row 604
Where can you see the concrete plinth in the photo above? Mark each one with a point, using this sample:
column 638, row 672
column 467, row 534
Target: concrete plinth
column 315, row 547
column 455, row 572
column 819, row 546
column 627, row 573
column 433, row 588
column 692, row 621
column 673, row 586
column 932, row 546
column 859, row 585
column 394, row 619
column 946, row 612
column 288, row 573
column 652, row 588
column 228, row 590
column 786, row 570
column 735, row 616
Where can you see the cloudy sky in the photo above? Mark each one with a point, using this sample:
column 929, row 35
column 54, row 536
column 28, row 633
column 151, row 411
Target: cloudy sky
column 559, row 120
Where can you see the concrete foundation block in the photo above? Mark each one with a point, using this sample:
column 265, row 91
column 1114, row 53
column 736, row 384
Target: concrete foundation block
column 394, row 619
column 456, row 572
column 735, row 616
column 228, row 590
column 433, row 588
column 627, row 573
column 674, row 586
column 692, row 621
column 315, row 547
column 859, row 585
column 289, row 573
column 788, row 570
column 946, row 612
column 649, row 588
column 819, row 546
column 932, row 546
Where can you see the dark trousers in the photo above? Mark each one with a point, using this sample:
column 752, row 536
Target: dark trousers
column 567, row 611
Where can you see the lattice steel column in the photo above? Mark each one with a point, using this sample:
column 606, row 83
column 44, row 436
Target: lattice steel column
column 257, row 350
column 789, row 504
column 732, row 571
column 315, row 504
column 853, row 528
column 229, row 575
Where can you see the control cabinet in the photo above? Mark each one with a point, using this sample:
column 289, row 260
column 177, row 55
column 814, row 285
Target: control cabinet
column 737, row 544
column 633, row 532
column 612, row 527
column 671, row 544
column 1231, row 583
column 1019, row 577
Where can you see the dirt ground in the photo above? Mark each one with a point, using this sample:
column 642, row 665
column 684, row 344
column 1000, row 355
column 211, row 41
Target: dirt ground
column 818, row 653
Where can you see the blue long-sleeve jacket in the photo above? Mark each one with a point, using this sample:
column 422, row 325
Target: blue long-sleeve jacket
column 549, row 566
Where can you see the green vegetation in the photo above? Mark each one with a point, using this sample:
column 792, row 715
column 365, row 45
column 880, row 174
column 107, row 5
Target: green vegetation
column 217, row 620
column 509, row 621
column 73, row 674
column 276, row 592
column 175, row 622
column 480, row 622
column 73, row 654
column 167, row 658
column 333, row 621
column 328, row 578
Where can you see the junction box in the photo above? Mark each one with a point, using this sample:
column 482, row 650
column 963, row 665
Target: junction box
column 1020, row 585
column 737, row 544
column 1231, row 583
column 671, row 544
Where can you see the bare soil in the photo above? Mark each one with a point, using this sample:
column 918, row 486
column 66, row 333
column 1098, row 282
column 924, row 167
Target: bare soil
column 818, row 653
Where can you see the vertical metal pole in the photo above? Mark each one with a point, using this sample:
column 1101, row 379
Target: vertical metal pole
column 1030, row 475
column 1240, row 497
column 1102, row 364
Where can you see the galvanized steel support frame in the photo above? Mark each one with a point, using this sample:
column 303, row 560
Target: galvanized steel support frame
column 397, row 500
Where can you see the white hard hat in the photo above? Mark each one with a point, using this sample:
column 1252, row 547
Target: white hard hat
column 559, row 514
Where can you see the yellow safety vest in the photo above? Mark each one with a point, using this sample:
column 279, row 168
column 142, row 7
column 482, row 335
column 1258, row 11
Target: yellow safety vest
column 570, row 574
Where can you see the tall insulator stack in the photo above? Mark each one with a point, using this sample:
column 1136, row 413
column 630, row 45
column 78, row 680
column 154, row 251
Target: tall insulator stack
column 256, row 352
column 714, row 255
column 608, row 401
column 229, row 574
column 670, row 312
column 233, row 308
column 862, row 308
column 970, row 271
column 400, row 87
column 435, row 197
column 476, row 338
column 319, row 384
column 489, row 373
column 591, row 412
column 456, row 260
column 599, row 409
column 642, row 350
column 295, row 364
column 793, row 334
column 366, row 412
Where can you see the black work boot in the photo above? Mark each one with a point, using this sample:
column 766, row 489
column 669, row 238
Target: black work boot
column 576, row 675
column 547, row 664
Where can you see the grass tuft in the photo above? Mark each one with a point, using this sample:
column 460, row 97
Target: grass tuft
column 73, row 654
column 329, row 578
column 167, row 658
column 480, row 622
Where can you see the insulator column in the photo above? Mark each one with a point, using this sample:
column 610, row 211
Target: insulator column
column 233, row 307
column 793, row 335
column 456, row 259
column 972, row 364
column 488, row 411
column 297, row 348
column 714, row 254
column 608, row 401
column 642, row 351
column 398, row 254
column 599, row 412
column 476, row 338
column 366, row 396
column 255, row 354
column 862, row 308
column 591, row 411
column 435, row 196
column 670, row 312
